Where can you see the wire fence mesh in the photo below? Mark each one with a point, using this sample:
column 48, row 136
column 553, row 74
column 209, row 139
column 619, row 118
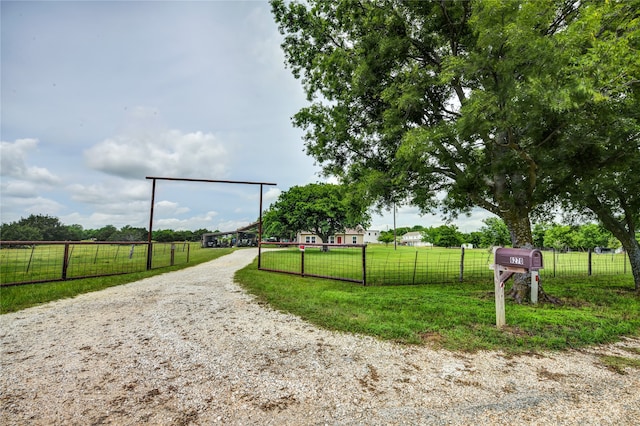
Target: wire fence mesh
column 335, row 261
column 23, row 262
column 379, row 265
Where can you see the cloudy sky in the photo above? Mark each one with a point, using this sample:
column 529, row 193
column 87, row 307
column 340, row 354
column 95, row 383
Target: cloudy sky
column 97, row 95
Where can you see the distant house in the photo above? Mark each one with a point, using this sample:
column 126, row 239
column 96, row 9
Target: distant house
column 371, row 236
column 414, row 239
column 349, row 236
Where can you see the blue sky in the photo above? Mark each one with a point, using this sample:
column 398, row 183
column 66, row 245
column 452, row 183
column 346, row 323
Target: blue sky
column 97, row 95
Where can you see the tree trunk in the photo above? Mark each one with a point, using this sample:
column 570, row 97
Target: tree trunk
column 632, row 247
column 624, row 231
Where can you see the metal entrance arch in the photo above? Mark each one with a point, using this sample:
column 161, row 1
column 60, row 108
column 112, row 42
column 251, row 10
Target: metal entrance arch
column 153, row 197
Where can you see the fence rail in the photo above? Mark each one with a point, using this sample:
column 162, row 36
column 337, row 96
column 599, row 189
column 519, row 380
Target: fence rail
column 26, row 262
column 375, row 265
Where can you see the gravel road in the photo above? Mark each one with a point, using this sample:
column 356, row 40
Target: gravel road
column 191, row 347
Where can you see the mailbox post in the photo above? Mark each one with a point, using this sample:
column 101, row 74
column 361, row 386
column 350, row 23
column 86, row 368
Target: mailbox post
column 509, row 261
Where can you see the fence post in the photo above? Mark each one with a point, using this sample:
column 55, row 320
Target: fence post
column 364, row 265
column 554, row 262
column 461, row 263
column 173, row 253
column 302, row 263
column 498, row 285
column 589, row 269
column 535, row 279
column 30, row 258
column 65, row 261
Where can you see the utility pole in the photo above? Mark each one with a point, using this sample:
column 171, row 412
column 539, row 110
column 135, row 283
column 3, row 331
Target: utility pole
column 395, row 237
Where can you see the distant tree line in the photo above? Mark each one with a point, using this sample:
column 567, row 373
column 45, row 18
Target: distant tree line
column 49, row 228
column 494, row 232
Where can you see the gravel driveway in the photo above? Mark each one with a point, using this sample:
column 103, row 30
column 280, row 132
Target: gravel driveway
column 191, row 347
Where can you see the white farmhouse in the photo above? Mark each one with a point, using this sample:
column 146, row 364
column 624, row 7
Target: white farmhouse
column 414, row 239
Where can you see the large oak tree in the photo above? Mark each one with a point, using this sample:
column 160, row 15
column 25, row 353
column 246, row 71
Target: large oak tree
column 456, row 104
column 322, row 208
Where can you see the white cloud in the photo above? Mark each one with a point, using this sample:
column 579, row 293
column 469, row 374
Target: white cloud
column 145, row 149
column 13, row 163
column 19, row 189
column 169, row 207
column 100, row 219
column 32, row 205
column 206, row 221
column 112, row 191
column 271, row 196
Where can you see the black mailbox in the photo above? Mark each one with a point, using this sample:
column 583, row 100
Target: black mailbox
column 519, row 258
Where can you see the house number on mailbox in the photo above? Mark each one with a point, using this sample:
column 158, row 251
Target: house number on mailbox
column 516, row 260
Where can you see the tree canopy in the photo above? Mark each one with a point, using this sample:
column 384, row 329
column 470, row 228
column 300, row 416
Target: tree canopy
column 455, row 104
column 38, row 227
column 324, row 209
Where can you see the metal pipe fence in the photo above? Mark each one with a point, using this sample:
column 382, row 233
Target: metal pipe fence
column 376, row 265
column 344, row 262
column 26, row 262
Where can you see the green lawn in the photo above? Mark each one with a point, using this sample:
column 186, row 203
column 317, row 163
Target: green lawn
column 15, row 298
column 457, row 316
column 44, row 262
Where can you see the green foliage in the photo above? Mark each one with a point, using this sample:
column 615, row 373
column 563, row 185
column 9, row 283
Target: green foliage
column 494, row 233
column 386, row 237
column 105, row 233
column 579, row 237
column 560, row 237
column 501, row 105
column 129, row 233
column 443, row 236
column 323, row 209
column 40, row 228
column 48, row 228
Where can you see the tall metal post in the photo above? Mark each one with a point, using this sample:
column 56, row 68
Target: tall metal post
column 149, row 244
column 153, row 192
column 260, row 231
column 395, row 237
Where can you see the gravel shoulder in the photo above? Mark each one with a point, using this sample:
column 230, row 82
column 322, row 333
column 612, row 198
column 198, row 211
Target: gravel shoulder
column 191, row 347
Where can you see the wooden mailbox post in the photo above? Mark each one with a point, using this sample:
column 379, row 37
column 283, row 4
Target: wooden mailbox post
column 509, row 261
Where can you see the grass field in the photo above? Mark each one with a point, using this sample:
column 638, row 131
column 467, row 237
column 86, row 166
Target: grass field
column 409, row 265
column 458, row 316
column 44, row 262
column 15, row 298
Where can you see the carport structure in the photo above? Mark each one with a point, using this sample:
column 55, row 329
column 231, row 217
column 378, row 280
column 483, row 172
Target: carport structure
column 244, row 236
column 153, row 197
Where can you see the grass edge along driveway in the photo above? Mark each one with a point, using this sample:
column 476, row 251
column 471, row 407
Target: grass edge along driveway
column 460, row 317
